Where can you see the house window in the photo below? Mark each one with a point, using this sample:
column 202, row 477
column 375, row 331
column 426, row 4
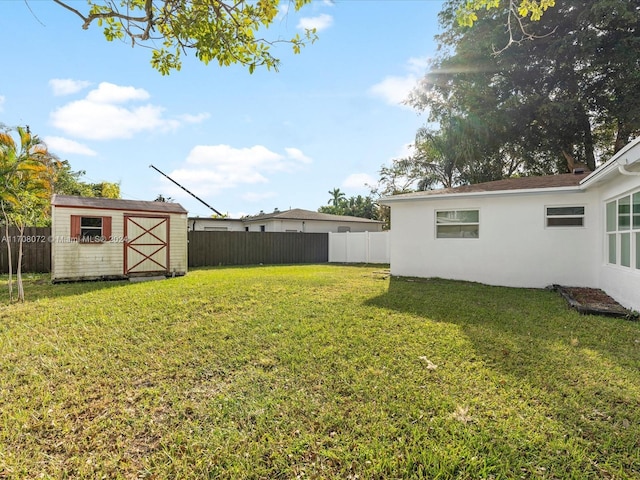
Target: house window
column 458, row 224
column 623, row 231
column 90, row 229
column 565, row 216
column 343, row 229
column 263, row 228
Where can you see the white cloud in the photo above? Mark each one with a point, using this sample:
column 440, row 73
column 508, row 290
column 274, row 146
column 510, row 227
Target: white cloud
column 359, row 181
column 67, row 86
column 64, row 145
column 199, row 118
column 210, row 169
column 320, row 22
column 105, row 113
column 296, row 154
column 110, row 93
column 395, row 89
column 2, row 100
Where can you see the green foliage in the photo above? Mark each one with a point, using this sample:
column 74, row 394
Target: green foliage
column 26, row 176
column 569, row 93
column 359, row 206
column 216, row 30
column 68, row 182
column 316, row 371
column 466, row 14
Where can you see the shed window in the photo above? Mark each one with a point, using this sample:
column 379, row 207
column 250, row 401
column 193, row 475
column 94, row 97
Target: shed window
column 90, row 229
column 622, row 230
column 565, row 216
column 458, row 224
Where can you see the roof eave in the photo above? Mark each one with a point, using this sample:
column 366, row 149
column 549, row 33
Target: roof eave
column 625, row 157
column 493, row 193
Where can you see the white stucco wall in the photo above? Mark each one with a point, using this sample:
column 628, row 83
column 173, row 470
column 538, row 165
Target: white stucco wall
column 215, row 224
column 514, row 247
column 311, row 226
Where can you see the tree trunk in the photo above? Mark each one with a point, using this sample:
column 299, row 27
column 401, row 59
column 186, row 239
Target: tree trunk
column 6, row 236
column 19, row 267
column 622, row 137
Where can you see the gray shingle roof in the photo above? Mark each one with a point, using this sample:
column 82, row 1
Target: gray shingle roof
column 507, row 184
column 300, row 214
column 116, row 204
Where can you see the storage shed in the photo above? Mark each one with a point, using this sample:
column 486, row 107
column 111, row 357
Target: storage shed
column 104, row 238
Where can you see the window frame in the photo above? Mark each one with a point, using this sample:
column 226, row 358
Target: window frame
column 622, row 231
column 548, row 216
column 103, row 232
column 461, row 224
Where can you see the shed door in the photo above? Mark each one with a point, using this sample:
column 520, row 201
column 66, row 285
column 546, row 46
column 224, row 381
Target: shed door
column 146, row 246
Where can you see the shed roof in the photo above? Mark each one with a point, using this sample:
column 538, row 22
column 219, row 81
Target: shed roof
column 300, row 214
column 72, row 201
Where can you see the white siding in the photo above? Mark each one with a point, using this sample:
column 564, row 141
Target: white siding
column 514, row 247
column 70, row 260
column 178, row 244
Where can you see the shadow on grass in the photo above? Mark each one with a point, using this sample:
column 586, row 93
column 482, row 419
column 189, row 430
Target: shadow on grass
column 585, row 368
column 39, row 286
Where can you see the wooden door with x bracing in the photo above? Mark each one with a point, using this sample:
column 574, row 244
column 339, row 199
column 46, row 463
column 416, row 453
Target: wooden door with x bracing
column 146, row 246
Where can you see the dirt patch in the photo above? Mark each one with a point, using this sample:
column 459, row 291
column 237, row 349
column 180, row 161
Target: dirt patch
column 593, row 301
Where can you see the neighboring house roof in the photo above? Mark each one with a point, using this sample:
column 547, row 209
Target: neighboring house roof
column 300, row 214
column 72, row 201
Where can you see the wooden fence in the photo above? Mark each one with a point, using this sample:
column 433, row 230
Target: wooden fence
column 254, row 248
column 206, row 249
column 36, row 247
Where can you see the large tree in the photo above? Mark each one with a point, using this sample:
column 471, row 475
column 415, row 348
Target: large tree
column 228, row 32
column 571, row 93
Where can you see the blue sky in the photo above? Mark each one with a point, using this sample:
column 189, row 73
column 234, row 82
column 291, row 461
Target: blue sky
column 330, row 117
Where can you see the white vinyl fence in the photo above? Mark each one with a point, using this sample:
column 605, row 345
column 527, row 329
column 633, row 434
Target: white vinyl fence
column 359, row 247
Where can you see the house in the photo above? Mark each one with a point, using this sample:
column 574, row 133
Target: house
column 104, row 238
column 576, row 229
column 294, row 220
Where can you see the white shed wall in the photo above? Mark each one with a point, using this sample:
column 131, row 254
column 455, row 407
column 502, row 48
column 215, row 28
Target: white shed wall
column 75, row 260
column 514, row 247
column 80, row 260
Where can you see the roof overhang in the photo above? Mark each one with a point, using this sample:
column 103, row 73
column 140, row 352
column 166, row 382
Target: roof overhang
column 624, row 162
column 493, row 193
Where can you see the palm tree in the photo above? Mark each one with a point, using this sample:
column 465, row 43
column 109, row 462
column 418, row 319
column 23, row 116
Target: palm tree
column 337, row 197
column 26, row 179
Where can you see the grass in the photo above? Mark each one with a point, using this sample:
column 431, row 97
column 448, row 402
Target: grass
column 313, row 372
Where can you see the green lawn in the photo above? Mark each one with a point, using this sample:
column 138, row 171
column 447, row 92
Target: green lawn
column 313, row 372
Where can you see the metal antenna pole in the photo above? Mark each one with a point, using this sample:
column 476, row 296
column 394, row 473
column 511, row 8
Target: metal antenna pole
column 194, row 196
